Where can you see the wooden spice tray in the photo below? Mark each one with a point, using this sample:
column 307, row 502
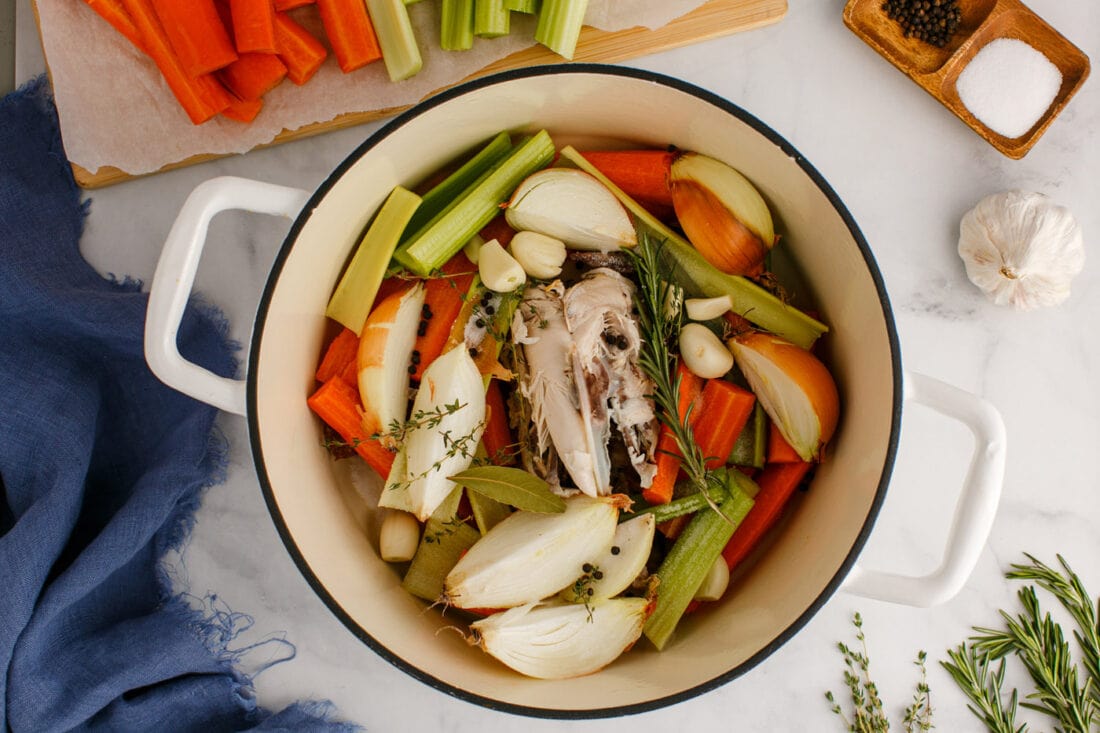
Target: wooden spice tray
column 936, row 70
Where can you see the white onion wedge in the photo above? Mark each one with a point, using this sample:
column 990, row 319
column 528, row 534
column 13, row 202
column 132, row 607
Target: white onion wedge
column 556, row 640
column 620, row 563
column 795, row 389
column 438, row 448
column 529, row 556
column 572, row 206
column 385, row 350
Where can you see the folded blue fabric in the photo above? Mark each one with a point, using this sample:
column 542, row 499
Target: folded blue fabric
column 101, row 468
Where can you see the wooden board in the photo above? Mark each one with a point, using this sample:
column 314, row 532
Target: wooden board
column 711, row 20
column 936, row 70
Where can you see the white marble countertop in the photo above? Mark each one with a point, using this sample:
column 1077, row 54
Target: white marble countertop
column 907, row 169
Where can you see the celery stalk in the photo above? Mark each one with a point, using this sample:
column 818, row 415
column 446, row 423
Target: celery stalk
column 559, row 25
column 447, row 193
column 529, row 7
column 700, row 279
column 491, row 18
column 444, row 540
column 395, row 37
column 456, row 28
column 689, row 560
column 354, row 295
column 441, row 238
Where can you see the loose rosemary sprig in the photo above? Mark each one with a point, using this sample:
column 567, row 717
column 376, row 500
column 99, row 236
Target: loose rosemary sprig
column 1037, row 641
column 659, row 326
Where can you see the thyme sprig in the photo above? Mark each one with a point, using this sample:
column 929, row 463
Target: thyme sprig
column 659, row 326
column 398, row 430
column 868, row 714
column 1066, row 694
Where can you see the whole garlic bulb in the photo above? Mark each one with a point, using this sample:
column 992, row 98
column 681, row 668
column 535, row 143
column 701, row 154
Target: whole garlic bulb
column 1021, row 249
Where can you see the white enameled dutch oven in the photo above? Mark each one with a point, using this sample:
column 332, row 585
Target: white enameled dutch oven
column 327, row 528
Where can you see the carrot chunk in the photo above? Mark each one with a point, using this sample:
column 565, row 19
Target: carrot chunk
column 777, row 483
column 196, row 33
column 300, row 52
column 115, row 13
column 201, row 97
column 253, row 25
column 337, row 403
column 350, row 33
column 443, row 299
column 343, row 350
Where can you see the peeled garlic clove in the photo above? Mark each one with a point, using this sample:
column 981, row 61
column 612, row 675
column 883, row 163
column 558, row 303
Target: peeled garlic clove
column 703, row 353
column 499, row 270
column 554, row 640
column 1021, row 249
column 399, row 537
column 705, row 309
column 529, row 556
column 622, row 562
column 721, row 212
column 472, row 249
column 795, row 389
column 572, row 206
column 716, row 581
column 541, row 256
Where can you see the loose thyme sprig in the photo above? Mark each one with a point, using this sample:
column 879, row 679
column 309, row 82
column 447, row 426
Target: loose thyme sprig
column 659, row 329
column 868, row 715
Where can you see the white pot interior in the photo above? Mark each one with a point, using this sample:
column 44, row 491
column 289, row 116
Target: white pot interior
column 328, row 526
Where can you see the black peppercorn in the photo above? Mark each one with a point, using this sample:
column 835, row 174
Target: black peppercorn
column 929, row 21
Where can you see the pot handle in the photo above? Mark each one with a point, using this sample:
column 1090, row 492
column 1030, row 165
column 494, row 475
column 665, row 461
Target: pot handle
column 175, row 277
column 974, row 511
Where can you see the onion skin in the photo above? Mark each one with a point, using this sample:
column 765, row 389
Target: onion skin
column 810, row 375
column 716, row 233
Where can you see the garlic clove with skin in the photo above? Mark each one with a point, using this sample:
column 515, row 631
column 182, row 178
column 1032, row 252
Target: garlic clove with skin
column 556, row 640
column 1021, row 249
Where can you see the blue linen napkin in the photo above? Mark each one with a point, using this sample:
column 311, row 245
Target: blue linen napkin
column 101, row 469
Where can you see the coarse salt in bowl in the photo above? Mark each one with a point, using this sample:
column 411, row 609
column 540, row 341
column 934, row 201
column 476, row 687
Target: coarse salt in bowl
column 1009, row 86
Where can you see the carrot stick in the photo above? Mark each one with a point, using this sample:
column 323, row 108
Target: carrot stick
column 284, row 5
column 300, row 52
column 197, row 34
column 253, row 25
column 243, row 110
column 343, row 350
column 779, row 450
column 337, row 403
column 497, row 437
column 641, row 174
column 253, row 75
column 201, row 97
column 443, row 298
column 777, row 483
column 668, row 454
column 114, row 13
column 350, row 33
column 724, row 409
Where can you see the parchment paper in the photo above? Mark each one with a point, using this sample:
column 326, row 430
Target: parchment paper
column 116, row 110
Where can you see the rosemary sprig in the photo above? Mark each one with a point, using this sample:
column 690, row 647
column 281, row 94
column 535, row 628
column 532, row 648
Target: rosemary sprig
column 659, row 326
column 982, row 685
column 1061, row 693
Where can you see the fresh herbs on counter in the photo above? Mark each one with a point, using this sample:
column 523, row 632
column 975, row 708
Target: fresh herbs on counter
column 1066, row 691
